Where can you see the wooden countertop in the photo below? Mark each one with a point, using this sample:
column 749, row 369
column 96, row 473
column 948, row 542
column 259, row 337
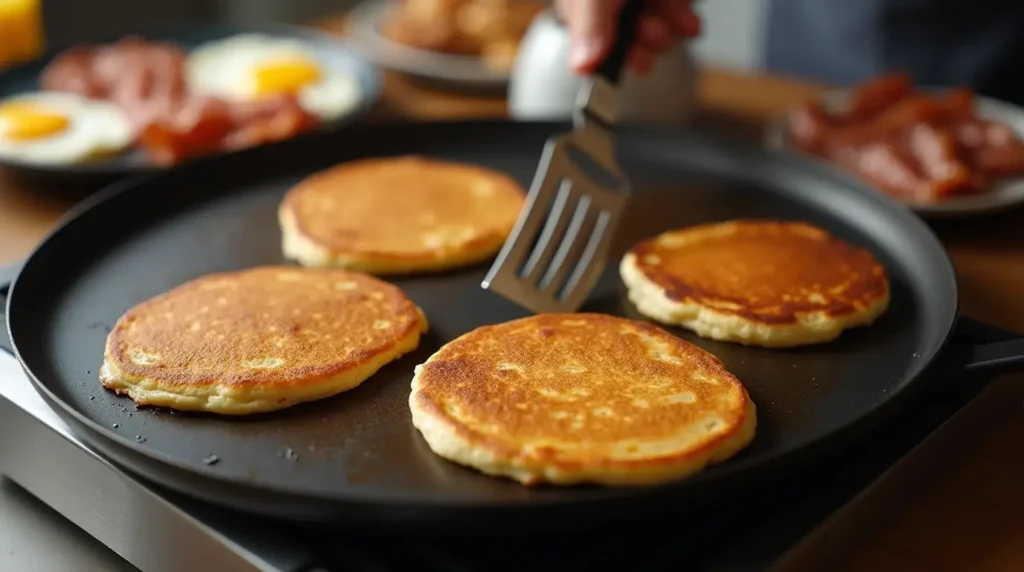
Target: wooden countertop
column 970, row 519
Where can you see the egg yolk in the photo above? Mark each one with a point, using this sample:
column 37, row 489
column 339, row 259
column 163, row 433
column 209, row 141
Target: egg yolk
column 24, row 121
column 285, row 76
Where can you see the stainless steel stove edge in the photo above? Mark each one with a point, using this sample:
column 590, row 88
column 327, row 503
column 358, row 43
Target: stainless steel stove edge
column 38, row 452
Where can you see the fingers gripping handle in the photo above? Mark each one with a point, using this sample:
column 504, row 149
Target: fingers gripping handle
column 628, row 24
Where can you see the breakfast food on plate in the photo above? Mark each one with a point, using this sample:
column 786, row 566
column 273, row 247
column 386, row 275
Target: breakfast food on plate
column 134, row 73
column 172, row 122
column 60, row 129
column 197, row 126
column 399, row 215
column 259, row 340
column 226, row 95
column 916, row 146
column 580, row 398
column 490, row 29
column 253, row 67
column 763, row 283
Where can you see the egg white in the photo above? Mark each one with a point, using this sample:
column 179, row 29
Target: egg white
column 95, row 129
column 225, row 69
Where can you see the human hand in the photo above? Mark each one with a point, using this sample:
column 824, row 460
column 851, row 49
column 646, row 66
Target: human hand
column 592, row 30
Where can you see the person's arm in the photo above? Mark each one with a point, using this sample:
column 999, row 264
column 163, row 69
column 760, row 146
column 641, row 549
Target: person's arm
column 592, row 29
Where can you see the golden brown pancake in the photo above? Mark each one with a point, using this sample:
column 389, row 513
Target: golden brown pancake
column 399, row 215
column 765, row 283
column 259, row 340
column 580, row 398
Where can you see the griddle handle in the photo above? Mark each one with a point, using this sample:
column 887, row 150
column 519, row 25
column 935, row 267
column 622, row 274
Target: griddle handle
column 980, row 349
column 996, row 358
column 7, row 274
column 628, row 27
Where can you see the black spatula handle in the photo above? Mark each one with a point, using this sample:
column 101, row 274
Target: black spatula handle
column 629, row 21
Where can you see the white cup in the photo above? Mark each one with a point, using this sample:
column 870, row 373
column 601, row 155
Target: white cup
column 543, row 87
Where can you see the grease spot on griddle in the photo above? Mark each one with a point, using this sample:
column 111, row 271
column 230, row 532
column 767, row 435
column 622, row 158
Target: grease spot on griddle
column 98, row 325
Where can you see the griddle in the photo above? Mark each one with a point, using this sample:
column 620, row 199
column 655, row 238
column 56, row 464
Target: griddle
column 355, row 459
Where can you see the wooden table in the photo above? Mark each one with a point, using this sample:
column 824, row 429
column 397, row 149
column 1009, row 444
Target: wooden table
column 971, row 519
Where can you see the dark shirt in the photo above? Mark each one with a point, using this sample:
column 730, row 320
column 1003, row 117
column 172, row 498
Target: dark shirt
column 977, row 43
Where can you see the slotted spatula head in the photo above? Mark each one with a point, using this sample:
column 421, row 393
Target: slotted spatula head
column 559, row 245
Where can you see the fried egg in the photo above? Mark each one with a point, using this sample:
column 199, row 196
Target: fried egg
column 60, row 128
column 249, row 67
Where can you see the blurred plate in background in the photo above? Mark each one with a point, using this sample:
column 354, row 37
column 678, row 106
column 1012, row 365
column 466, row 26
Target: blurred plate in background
column 331, row 51
column 1002, row 196
column 455, row 70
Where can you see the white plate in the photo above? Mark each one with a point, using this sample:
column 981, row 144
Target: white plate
column 1004, row 195
column 465, row 71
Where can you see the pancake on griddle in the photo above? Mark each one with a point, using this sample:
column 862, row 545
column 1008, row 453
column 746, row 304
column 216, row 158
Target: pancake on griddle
column 580, row 398
column 763, row 283
column 258, row 340
column 399, row 215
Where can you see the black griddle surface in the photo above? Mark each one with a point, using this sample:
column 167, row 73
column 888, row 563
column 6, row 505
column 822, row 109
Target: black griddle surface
column 360, row 446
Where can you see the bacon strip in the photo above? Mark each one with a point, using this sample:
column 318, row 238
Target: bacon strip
column 915, row 146
column 147, row 81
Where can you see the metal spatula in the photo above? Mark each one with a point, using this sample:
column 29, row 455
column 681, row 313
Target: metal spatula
column 559, row 246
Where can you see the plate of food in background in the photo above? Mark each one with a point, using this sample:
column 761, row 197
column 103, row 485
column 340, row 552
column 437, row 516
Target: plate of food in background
column 138, row 104
column 944, row 152
column 467, row 43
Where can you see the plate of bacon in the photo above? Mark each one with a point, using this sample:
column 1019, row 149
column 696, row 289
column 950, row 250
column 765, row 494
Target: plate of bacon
column 942, row 152
column 140, row 104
